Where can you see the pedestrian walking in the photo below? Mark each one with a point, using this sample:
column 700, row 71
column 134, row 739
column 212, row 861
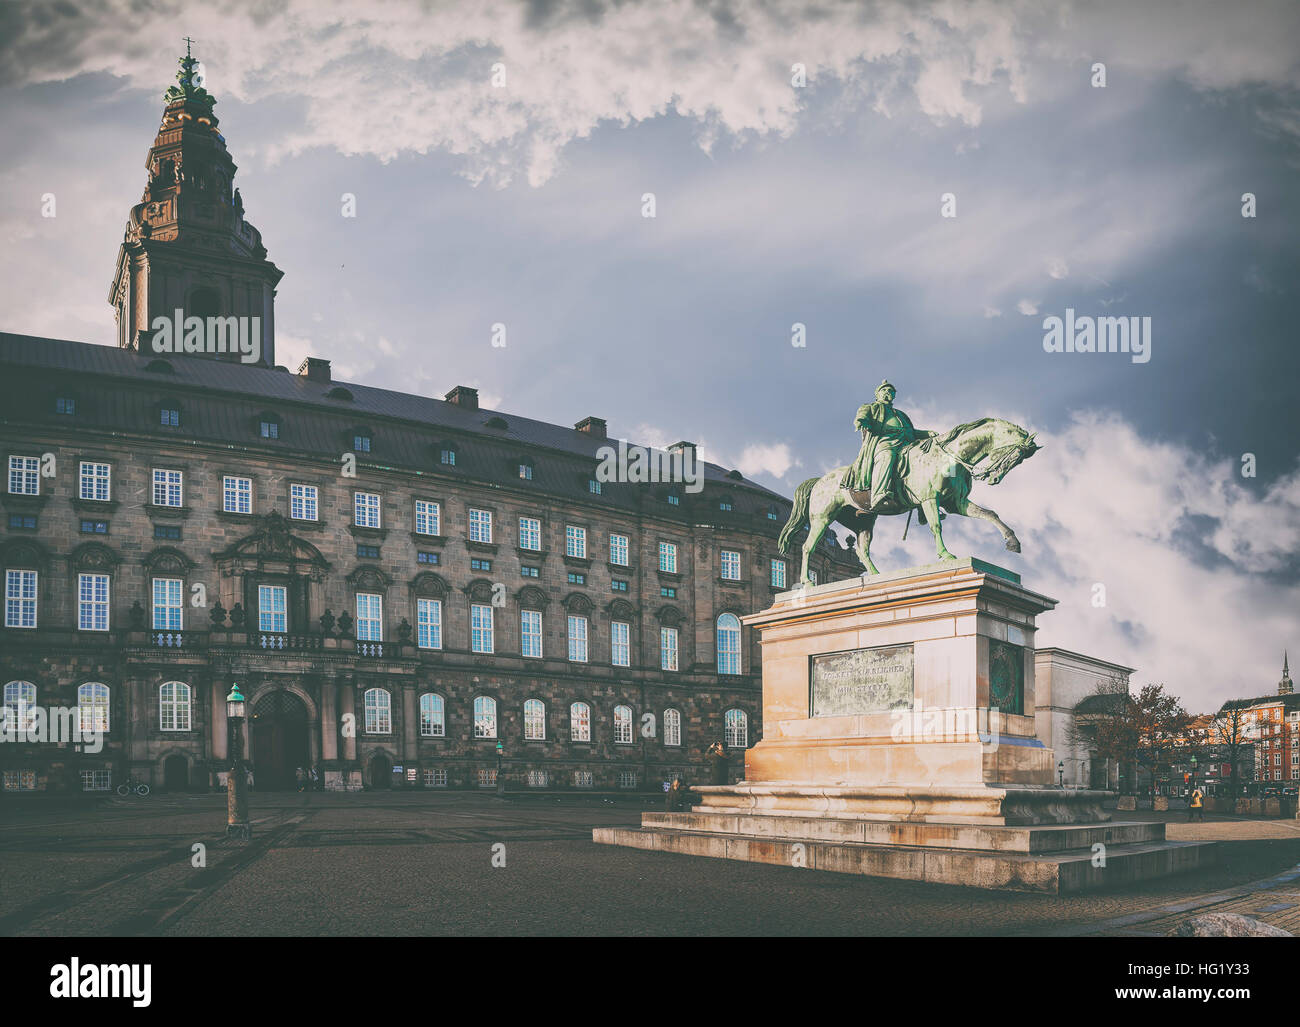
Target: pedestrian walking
column 1196, row 806
column 315, row 780
column 248, row 778
column 300, row 776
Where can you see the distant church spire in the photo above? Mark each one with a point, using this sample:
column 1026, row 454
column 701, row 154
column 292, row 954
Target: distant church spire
column 186, row 244
column 1284, row 687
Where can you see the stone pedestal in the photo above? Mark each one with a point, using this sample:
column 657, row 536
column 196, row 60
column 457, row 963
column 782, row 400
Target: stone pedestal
column 899, row 740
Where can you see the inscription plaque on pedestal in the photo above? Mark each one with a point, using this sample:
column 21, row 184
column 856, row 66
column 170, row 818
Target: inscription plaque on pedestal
column 861, row 681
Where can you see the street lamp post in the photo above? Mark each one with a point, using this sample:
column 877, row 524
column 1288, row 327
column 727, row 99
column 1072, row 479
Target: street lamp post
column 1060, row 772
column 501, row 781
column 237, row 825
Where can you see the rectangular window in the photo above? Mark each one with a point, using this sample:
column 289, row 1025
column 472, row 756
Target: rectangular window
column 487, row 777
column 627, row 779
column 272, row 609
column 167, row 490
column 618, row 585
column 730, row 564
column 668, row 592
column 530, row 628
column 25, row 475
column 170, row 532
column 428, row 617
column 370, row 617
column 95, row 482
column 668, row 648
column 477, row 563
column 167, row 608
column 20, row 780
column 582, row 779
column 270, row 429
column 593, row 486
column 94, row 780
column 169, row 417
column 65, row 405
column 578, row 639
column 668, row 557
column 20, row 599
column 423, row 557
column 22, row 522
column 778, row 574
column 537, row 779
column 480, row 619
column 618, row 550
column 367, row 551
column 92, row 602
column 428, row 518
column 303, row 502
column 448, row 457
column 365, row 510
column 361, row 443
column 526, row 472
column 577, row 579
column 575, row 542
column 237, row 495
column 530, row 533
column 530, row 572
column 620, row 635
column 480, row 525
column 435, row 777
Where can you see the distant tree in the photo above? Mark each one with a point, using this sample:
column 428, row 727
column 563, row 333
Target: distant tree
column 1230, row 741
column 1137, row 731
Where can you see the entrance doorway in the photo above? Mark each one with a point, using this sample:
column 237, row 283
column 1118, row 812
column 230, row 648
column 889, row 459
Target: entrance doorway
column 176, row 774
column 279, row 741
column 381, row 771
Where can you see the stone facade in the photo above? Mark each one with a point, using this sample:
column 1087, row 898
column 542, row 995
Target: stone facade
column 1064, row 679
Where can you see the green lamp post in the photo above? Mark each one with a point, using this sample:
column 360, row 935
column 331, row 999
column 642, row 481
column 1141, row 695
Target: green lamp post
column 237, row 825
column 501, row 781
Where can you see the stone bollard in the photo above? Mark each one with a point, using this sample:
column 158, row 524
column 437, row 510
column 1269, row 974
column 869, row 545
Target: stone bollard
column 1127, row 802
column 1160, row 804
column 1243, row 806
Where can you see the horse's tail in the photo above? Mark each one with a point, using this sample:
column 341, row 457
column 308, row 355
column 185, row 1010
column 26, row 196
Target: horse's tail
column 798, row 515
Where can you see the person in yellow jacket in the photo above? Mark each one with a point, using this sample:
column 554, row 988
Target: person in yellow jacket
column 1196, row 805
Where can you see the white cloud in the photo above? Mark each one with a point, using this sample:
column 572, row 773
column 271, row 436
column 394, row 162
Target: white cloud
column 1057, row 268
column 990, row 312
column 1027, row 307
column 774, row 459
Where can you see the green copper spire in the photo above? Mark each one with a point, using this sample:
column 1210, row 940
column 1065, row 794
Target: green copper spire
column 190, row 78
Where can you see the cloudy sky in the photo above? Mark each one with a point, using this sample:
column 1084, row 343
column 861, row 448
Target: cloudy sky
column 776, row 203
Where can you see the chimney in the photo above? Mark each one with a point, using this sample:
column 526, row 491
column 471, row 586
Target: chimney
column 593, row 426
column 314, row 369
column 682, row 447
column 463, row 396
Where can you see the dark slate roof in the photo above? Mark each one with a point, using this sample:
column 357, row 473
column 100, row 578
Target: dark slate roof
column 1101, row 702
column 1290, row 701
column 222, row 401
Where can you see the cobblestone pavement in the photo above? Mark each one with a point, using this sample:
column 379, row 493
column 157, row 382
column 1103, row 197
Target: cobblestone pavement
column 403, row 864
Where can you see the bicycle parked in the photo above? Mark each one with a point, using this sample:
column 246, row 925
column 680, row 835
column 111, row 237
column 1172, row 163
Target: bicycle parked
column 132, row 785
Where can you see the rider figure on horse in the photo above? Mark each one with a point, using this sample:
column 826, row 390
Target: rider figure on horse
column 884, row 430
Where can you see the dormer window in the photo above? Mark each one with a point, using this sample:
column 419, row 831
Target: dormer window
column 674, row 499
column 65, row 405
column 169, row 417
column 526, row 471
column 725, row 506
column 449, row 457
column 270, row 429
column 593, row 486
column 361, row 443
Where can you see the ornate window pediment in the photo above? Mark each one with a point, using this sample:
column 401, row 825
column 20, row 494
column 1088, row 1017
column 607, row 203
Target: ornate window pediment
column 369, row 578
column 532, row 598
column 21, row 552
column 576, row 602
column 669, row 616
column 168, row 560
column 429, row 584
column 479, row 589
column 621, row 609
column 93, row 556
column 273, row 541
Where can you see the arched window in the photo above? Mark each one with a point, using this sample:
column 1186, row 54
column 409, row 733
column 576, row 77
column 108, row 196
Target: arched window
column 20, row 703
column 174, row 706
column 92, row 704
column 728, row 644
column 433, row 716
column 580, row 722
column 736, row 729
column 623, row 724
column 485, row 717
column 672, row 727
column 534, row 720
column 379, row 712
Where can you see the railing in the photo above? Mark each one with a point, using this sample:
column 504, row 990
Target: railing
column 177, row 640
column 269, row 640
column 374, row 650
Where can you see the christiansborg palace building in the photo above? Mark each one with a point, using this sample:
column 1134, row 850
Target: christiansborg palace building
column 173, row 525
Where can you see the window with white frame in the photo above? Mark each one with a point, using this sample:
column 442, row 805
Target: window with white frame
column 537, row 779
column 620, row 644
column 95, row 481
column 370, row 617
column 379, row 711
column 174, row 706
column 20, row 598
column 480, row 525
column 168, row 489
column 272, row 608
column 428, row 517
column 168, row 612
column 92, row 706
column 485, row 717
column 730, row 565
column 487, row 776
column 480, row 628
column 623, row 724
column 530, row 633
column 580, row 722
column 736, row 729
column 92, row 602
column 236, row 494
column 428, row 623
column 96, row 780
column 365, row 509
column 20, row 780
column 575, row 541
column 20, row 706
column 668, row 648
column 578, row 639
column 304, row 501
column 582, row 779
column 530, row 533
column 728, row 644
column 668, row 557
column 672, row 727
column 433, row 716
column 25, row 475
column 534, row 720
column 778, row 574
column 435, row 777
column 618, row 550
column 627, row 779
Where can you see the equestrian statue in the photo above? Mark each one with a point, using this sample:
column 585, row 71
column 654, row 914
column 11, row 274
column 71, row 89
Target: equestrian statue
column 900, row 469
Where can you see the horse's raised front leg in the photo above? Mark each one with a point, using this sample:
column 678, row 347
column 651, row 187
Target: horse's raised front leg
column 863, row 545
column 1008, row 536
column 931, row 508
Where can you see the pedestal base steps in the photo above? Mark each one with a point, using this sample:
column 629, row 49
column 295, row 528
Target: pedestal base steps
column 863, row 831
